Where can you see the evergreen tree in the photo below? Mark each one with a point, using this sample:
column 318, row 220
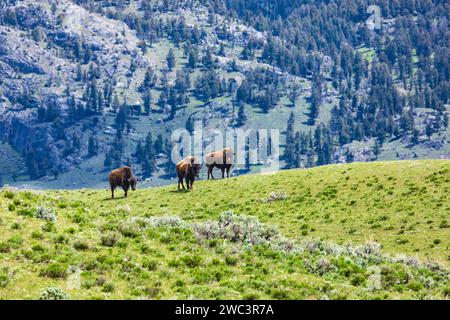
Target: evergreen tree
column 162, row 101
column 207, row 60
column 107, row 163
column 429, row 130
column 322, row 145
column 376, row 148
column 150, row 78
column 116, row 104
column 148, row 159
column 316, row 101
column 171, row 60
column 92, row 146
column 10, row 17
column 139, row 152
column 349, row 157
column 241, row 116
column 36, row 34
column 192, row 59
column 293, row 93
column 159, row 144
column 121, row 119
column 289, row 153
column 173, row 103
column 148, row 102
column 415, row 137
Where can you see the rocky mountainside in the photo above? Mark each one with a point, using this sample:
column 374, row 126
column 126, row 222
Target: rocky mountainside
column 89, row 85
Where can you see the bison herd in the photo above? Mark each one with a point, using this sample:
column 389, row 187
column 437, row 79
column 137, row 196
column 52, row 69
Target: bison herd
column 187, row 170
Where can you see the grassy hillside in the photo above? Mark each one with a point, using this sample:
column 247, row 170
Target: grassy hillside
column 378, row 230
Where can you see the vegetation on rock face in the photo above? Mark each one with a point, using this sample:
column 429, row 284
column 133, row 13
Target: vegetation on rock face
column 359, row 231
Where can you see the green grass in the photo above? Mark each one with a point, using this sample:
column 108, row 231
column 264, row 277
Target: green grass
column 328, row 215
column 368, row 54
column 11, row 163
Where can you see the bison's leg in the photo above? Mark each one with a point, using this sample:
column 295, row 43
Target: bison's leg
column 126, row 191
column 112, row 192
column 223, row 172
column 188, row 183
column 210, row 170
column 228, row 171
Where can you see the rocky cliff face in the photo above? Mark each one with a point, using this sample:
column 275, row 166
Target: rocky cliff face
column 35, row 69
column 38, row 67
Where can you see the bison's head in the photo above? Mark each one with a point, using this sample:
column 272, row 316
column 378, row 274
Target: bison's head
column 133, row 183
column 194, row 170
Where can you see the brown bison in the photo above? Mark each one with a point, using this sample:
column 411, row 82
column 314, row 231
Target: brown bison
column 188, row 169
column 122, row 177
column 222, row 159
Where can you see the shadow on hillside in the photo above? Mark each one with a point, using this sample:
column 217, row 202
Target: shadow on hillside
column 180, row 191
column 116, row 198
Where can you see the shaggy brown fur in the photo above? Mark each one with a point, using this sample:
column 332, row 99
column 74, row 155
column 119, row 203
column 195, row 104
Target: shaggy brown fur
column 122, row 177
column 188, row 169
column 222, row 159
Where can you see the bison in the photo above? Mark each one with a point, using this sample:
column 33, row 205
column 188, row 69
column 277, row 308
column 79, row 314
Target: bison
column 188, row 169
column 122, row 177
column 222, row 159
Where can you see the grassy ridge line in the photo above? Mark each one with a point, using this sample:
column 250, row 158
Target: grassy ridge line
column 122, row 257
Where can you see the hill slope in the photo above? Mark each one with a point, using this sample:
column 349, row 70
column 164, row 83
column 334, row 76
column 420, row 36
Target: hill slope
column 311, row 233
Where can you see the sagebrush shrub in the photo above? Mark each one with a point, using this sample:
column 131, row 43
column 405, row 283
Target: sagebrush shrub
column 49, row 226
column 129, row 229
column 243, row 229
column 392, row 275
column 150, row 265
column 124, row 208
column 55, row 271
column 134, row 226
column 8, row 194
column 358, row 280
column 110, row 239
column 44, row 213
column 235, row 228
column 81, row 245
column 5, row 276
column 275, row 196
column 320, row 267
column 15, row 241
column 168, row 221
column 53, row 293
column 61, row 238
column 446, row 291
column 231, row 261
column 108, row 287
column 5, row 247
column 192, row 261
